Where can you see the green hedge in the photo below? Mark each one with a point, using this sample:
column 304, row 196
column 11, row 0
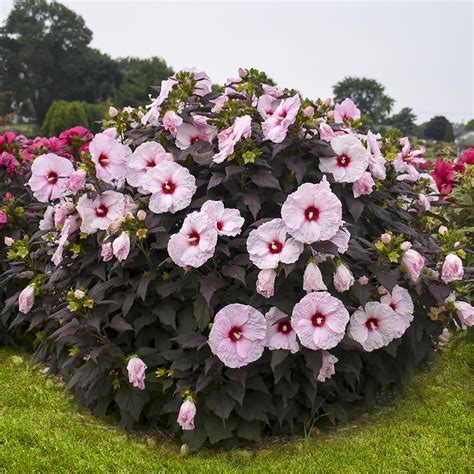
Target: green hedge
column 62, row 115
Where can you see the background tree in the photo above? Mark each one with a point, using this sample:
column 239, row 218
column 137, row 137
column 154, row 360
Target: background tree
column 368, row 94
column 439, row 128
column 45, row 56
column 469, row 126
column 138, row 75
column 404, row 121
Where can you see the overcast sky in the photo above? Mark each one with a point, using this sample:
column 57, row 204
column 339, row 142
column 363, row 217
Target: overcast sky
column 421, row 51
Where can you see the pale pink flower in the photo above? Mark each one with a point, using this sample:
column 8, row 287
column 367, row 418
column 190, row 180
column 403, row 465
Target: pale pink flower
column 376, row 159
column 363, row 185
column 452, row 268
column 400, row 301
column 341, row 240
column 172, row 187
column 363, row 280
column 110, row 158
column 76, row 181
column 465, row 313
column 350, row 162
column 374, row 326
column 8, row 241
column 79, row 294
column 186, row 415
column 327, row 369
column 327, row 133
column 280, row 334
column 386, row 238
column 188, row 134
column 26, row 299
column 442, row 230
column 49, row 174
column 141, row 215
column 312, row 213
column 444, row 336
column 274, row 91
column 152, row 117
column 313, row 279
column 238, row 335
column 203, row 82
column 145, row 158
column 71, row 224
column 405, row 245
column 320, row 320
column 346, row 110
column 195, row 243
column 381, row 290
column 99, row 213
column 136, row 372
column 61, row 212
column 219, row 103
column 265, row 285
column 171, row 122
column 121, row 246
column 276, row 126
column 343, row 278
column 268, row 245
column 406, row 160
column 228, row 221
column 47, row 222
column 267, row 105
column 228, row 138
column 113, row 112
column 308, row 111
column 414, row 263
column 107, row 252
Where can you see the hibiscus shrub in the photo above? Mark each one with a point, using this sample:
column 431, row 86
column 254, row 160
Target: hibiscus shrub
column 235, row 263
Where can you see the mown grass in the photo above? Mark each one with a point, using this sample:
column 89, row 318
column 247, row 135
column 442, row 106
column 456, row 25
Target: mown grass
column 428, row 428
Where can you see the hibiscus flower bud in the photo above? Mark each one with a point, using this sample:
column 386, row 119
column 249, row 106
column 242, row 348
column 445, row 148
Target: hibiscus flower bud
column 364, row 185
column 121, row 246
column 327, row 366
column 141, row 215
column 79, row 294
column 382, row 290
column 308, row 111
column 327, row 102
column 3, row 218
column 442, row 230
column 26, row 299
column 8, row 241
column 405, row 246
column 312, row 278
column 106, row 252
column 414, row 263
column 452, row 268
column 363, row 280
column 386, row 238
column 136, row 372
column 243, row 72
column 171, row 122
column 266, row 283
column 465, row 313
column 343, row 278
column 76, row 181
column 113, row 112
column 186, row 415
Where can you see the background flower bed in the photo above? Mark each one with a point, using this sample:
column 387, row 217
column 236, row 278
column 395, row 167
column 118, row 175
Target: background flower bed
column 115, row 297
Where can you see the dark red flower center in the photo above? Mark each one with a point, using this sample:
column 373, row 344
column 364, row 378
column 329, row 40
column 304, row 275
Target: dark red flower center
column 193, row 139
column 168, row 187
column 235, row 334
column 275, row 246
column 343, row 161
column 311, row 213
column 270, row 112
column 220, row 225
column 284, row 327
column 52, row 177
column 101, row 211
column 150, row 164
column 372, row 323
column 318, row 320
column 104, row 160
column 393, row 306
column 194, row 238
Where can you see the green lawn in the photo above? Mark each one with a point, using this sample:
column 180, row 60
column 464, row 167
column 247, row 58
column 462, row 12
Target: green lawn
column 429, row 428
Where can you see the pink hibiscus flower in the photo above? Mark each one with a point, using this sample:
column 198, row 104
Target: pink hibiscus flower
column 364, row 185
column 195, row 243
column 280, row 333
column 312, row 213
column 49, row 174
column 152, row 117
column 136, row 369
column 327, row 133
column 452, row 268
column 374, row 326
column 327, row 369
column 187, row 133
column 320, row 320
column 350, row 162
column 238, row 335
column 341, row 239
column 414, row 263
column 171, row 122
column 268, row 245
column 267, row 105
column 400, row 301
column 276, row 126
column 346, row 110
column 186, row 415
column 407, row 160
column 110, row 158
column 376, row 159
column 228, row 138
column 228, row 222
column 172, row 187
column 99, row 213
column 465, row 313
column 265, row 284
column 144, row 158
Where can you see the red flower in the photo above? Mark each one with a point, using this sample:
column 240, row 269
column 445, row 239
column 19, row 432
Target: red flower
column 467, row 158
column 444, row 174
